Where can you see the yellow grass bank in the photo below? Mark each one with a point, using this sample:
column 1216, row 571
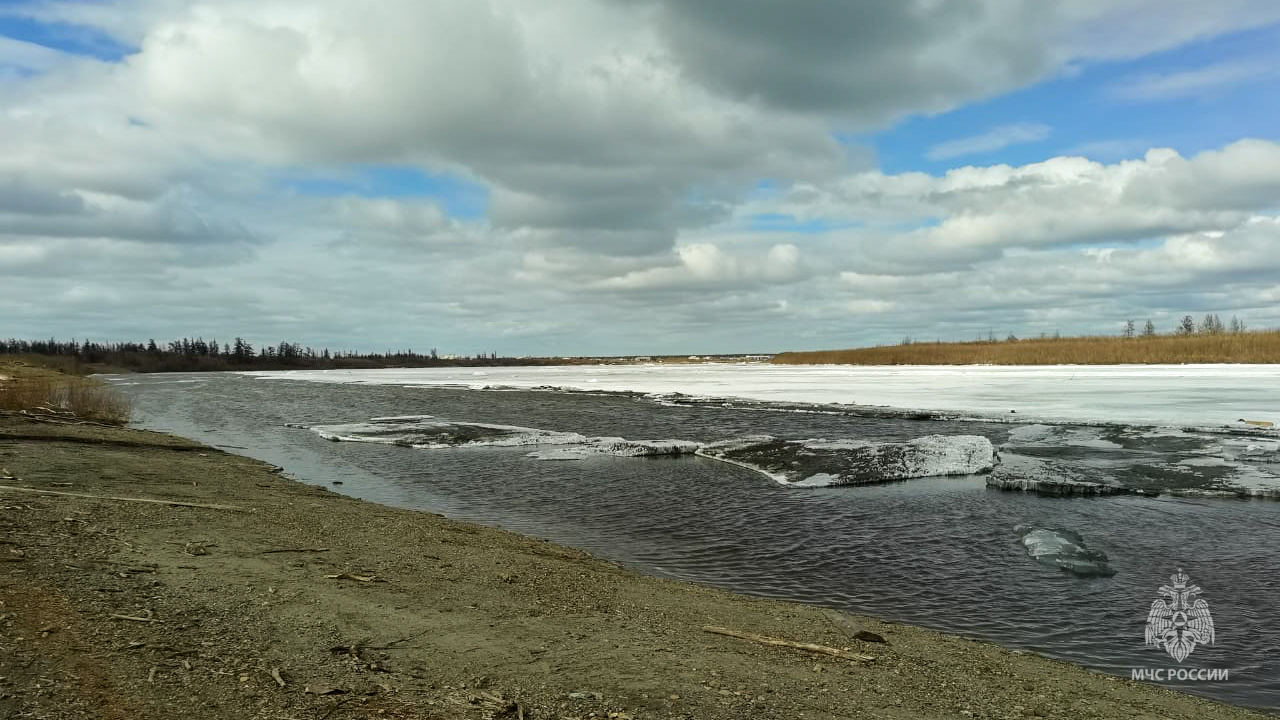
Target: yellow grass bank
column 1246, row 347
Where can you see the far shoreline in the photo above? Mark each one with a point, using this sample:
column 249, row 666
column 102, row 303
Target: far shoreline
column 1220, row 347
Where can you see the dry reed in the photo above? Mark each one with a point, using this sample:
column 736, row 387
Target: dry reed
column 86, row 398
column 1246, row 347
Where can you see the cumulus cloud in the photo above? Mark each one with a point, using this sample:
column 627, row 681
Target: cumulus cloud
column 999, row 207
column 570, row 132
column 871, row 63
column 703, row 265
column 622, row 146
column 18, row 57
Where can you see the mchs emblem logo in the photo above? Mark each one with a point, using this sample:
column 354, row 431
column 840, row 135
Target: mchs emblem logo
column 1179, row 621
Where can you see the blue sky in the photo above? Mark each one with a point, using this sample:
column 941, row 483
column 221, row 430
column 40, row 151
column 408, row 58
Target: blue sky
column 1087, row 112
column 72, row 38
column 460, row 198
column 524, row 184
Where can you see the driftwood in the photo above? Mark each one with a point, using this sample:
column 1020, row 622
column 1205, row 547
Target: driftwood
column 178, row 503
column 807, row 647
column 135, row 618
column 359, row 578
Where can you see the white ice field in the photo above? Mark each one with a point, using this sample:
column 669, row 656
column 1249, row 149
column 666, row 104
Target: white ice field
column 1177, row 395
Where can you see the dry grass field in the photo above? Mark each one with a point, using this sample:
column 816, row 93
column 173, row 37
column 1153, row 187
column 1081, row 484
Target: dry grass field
column 1244, row 347
column 31, row 386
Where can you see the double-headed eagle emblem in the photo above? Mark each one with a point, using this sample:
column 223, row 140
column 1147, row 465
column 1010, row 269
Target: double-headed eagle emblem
column 1179, row 621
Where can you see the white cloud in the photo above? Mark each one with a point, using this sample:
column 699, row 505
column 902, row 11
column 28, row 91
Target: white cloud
column 16, row 54
column 994, row 139
column 617, row 142
column 1199, row 82
column 976, row 212
column 705, row 265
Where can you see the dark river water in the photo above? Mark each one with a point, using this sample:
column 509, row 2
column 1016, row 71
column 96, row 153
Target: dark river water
column 940, row 552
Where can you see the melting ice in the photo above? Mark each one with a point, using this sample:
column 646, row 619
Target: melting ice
column 795, row 463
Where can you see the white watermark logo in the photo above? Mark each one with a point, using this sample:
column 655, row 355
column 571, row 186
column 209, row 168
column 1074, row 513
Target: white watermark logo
column 1179, row 621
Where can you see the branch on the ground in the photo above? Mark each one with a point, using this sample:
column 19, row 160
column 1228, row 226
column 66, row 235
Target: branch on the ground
column 179, row 503
column 807, row 647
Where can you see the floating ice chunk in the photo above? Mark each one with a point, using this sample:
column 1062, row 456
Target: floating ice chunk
column 1195, row 476
column 1064, row 550
column 821, row 463
column 644, row 448
column 426, row 432
column 1261, row 449
column 1045, row 477
column 560, row 453
column 1030, row 433
column 618, row 447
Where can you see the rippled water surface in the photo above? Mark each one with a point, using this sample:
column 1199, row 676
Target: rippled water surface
column 938, row 552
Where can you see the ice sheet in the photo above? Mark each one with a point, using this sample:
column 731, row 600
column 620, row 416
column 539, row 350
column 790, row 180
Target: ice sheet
column 1135, row 394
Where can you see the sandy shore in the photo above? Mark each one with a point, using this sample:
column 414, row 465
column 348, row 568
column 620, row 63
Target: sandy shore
column 289, row 601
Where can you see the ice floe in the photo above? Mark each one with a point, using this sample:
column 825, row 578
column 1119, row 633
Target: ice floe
column 424, row 431
column 1065, row 550
column 1091, row 460
column 822, row 463
column 1047, row 477
column 1127, row 394
column 618, row 447
column 795, row 463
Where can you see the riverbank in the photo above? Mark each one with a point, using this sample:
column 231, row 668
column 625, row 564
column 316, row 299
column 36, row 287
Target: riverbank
column 261, row 597
column 1248, row 347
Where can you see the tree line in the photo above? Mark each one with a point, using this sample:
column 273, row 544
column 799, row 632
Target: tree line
column 1211, row 325
column 201, row 355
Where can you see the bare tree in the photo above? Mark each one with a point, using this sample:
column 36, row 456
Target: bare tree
column 1212, row 324
column 1149, row 330
column 1128, row 329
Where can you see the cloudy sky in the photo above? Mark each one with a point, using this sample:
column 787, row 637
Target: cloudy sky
column 635, row 176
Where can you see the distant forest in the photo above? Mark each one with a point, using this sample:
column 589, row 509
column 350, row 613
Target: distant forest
column 200, row 355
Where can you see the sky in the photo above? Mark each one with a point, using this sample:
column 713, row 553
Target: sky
column 582, row 177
